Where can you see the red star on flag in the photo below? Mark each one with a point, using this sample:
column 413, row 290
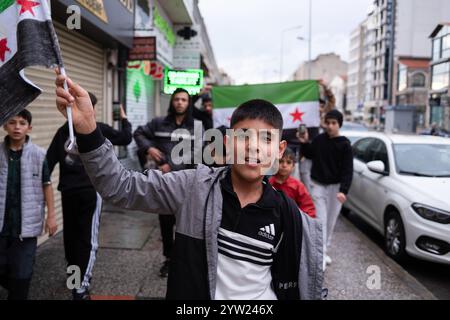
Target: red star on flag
column 297, row 115
column 27, row 5
column 3, row 49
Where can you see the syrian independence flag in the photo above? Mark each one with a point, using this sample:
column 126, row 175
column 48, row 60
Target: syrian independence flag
column 298, row 101
column 27, row 38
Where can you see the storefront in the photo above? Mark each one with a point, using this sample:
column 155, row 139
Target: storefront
column 94, row 56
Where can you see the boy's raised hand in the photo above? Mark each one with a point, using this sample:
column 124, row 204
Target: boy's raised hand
column 82, row 109
column 303, row 138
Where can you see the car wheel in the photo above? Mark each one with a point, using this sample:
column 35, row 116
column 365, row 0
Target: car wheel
column 394, row 233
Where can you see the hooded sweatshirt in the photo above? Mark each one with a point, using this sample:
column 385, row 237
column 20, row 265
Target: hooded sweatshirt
column 332, row 160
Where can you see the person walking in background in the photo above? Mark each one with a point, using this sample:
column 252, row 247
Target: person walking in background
column 205, row 115
column 327, row 102
column 292, row 187
column 155, row 145
column 80, row 203
column 331, row 173
column 26, row 187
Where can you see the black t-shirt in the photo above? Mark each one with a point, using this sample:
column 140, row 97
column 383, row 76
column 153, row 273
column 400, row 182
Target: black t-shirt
column 247, row 243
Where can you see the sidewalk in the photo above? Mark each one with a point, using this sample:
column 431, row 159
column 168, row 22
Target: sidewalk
column 354, row 257
column 130, row 256
column 127, row 265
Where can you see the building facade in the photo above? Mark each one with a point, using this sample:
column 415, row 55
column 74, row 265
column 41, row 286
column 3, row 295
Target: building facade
column 395, row 29
column 325, row 67
column 359, row 86
column 94, row 46
column 439, row 106
column 411, row 85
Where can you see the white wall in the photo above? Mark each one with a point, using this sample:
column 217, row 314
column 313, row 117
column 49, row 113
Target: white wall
column 416, row 19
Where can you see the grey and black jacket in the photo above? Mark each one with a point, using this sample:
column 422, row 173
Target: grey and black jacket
column 159, row 132
column 195, row 198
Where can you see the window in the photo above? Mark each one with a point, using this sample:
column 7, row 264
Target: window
column 418, row 80
column 360, row 149
column 441, row 74
column 402, row 77
column 378, row 152
column 437, row 49
column 446, row 46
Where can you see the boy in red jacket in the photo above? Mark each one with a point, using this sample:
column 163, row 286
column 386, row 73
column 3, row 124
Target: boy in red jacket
column 292, row 187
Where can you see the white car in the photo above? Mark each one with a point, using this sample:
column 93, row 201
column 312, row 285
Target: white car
column 401, row 186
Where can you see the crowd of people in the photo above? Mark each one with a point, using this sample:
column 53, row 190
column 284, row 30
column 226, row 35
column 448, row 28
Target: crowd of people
column 242, row 235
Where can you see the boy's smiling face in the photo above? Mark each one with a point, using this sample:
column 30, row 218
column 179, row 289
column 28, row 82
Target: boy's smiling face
column 255, row 149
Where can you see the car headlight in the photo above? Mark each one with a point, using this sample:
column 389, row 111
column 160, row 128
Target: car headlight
column 433, row 214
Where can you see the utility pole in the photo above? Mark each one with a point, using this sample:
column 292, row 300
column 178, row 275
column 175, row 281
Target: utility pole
column 310, row 41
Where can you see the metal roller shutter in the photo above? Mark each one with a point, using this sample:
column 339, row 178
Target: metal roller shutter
column 85, row 63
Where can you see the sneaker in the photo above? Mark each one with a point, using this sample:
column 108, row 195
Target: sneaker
column 164, row 271
column 328, row 260
column 78, row 296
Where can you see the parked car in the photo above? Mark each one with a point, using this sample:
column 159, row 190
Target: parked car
column 401, row 187
column 354, row 136
column 439, row 133
column 353, row 126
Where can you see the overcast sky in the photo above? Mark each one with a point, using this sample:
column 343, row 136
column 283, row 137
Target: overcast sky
column 246, row 34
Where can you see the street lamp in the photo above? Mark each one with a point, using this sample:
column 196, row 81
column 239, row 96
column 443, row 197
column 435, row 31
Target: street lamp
column 309, row 40
column 282, row 48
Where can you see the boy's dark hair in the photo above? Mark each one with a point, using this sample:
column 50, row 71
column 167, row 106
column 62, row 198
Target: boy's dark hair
column 336, row 115
column 288, row 154
column 25, row 114
column 260, row 110
column 206, row 100
column 94, row 99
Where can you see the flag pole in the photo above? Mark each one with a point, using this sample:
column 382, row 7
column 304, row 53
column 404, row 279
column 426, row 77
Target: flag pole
column 69, row 111
column 62, row 70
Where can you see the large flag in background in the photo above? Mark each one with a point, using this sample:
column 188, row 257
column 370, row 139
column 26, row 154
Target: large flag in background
column 298, row 101
column 27, row 38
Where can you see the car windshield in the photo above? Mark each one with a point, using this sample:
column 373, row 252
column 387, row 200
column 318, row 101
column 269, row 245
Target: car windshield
column 350, row 126
column 425, row 160
column 352, row 139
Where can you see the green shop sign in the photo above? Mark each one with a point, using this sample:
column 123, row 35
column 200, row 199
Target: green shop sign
column 163, row 26
column 190, row 80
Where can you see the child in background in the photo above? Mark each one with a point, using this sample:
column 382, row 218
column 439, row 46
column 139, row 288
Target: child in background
column 292, row 187
column 25, row 187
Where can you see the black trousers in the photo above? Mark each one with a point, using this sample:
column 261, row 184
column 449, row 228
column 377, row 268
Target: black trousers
column 16, row 265
column 166, row 224
column 81, row 220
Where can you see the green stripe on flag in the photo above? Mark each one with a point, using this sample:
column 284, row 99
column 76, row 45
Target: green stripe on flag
column 5, row 4
column 277, row 93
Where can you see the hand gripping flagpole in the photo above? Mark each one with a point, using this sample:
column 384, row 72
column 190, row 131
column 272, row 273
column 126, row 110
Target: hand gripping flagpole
column 62, row 70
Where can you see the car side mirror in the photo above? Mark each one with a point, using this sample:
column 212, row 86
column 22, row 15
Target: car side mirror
column 377, row 167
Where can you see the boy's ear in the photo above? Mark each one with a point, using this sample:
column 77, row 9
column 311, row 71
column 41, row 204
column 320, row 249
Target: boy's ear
column 283, row 146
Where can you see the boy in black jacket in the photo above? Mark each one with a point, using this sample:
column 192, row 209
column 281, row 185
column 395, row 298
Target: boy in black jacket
column 80, row 203
column 331, row 173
